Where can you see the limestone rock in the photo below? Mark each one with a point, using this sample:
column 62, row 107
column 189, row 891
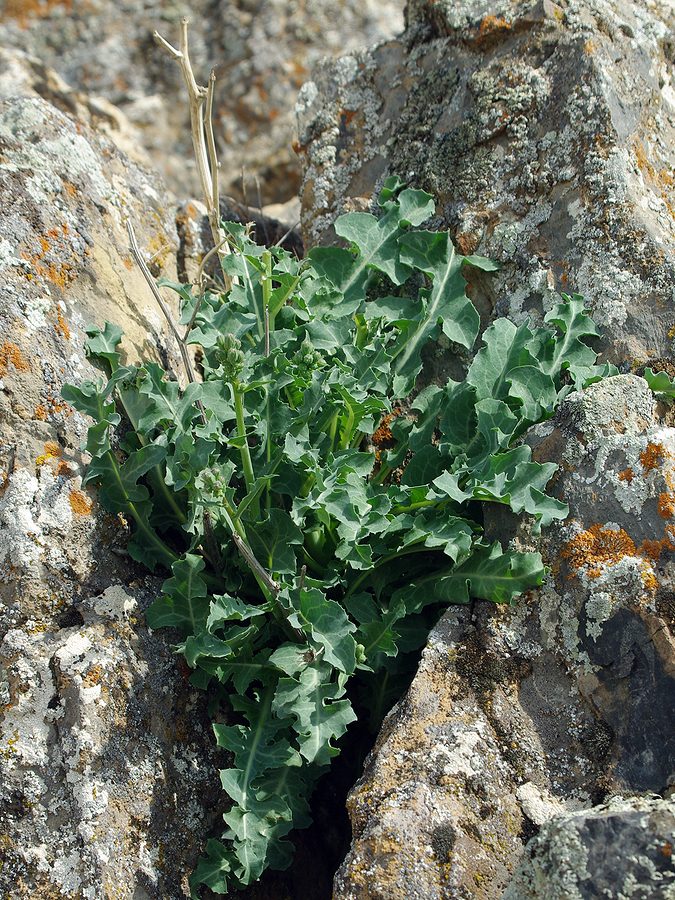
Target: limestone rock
column 263, row 51
column 105, row 789
column 545, row 131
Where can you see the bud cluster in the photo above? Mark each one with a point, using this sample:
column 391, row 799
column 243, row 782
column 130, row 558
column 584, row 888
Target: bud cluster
column 229, row 356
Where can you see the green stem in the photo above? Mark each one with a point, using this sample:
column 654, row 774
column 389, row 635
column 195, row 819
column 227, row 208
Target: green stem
column 382, row 474
column 167, row 555
column 235, row 524
column 156, row 474
column 420, row 504
column 269, row 328
column 347, row 433
column 333, row 428
column 241, row 434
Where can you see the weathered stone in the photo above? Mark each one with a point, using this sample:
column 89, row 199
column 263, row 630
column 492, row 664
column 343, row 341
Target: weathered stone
column 262, row 51
column 105, row 768
column 545, row 131
column 546, row 134
column 621, row 849
column 517, row 715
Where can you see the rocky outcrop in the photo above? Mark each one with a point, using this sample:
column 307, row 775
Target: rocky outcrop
column 263, row 51
column 105, row 772
column 623, row 848
column 519, row 715
column 545, row 131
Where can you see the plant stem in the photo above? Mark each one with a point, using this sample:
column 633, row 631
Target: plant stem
column 269, row 326
column 241, row 434
column 155, row 474
column 167, row 555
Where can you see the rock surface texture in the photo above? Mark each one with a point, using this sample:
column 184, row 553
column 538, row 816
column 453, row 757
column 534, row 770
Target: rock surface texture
column 104, row 766
column 262, row 51
column 519, row 715
column 545, row 131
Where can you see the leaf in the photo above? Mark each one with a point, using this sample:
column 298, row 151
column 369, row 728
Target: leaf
column 513, row 479
column 320, row 716
column 103, row 344
column 273, row 540
column 659, row 382
column 433, row 253
column 184, row 603
column 567, row 350
column 327, row 624
column 505, row 348
column 491, row 574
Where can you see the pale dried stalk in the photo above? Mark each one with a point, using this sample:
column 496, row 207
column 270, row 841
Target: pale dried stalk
column 142, row 265
column 201, row 126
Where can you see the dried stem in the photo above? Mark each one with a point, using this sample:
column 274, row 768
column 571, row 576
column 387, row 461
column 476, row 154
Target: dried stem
column 201, row 125
column 142, row 265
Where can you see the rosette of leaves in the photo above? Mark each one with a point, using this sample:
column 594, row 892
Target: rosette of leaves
column 303, row 557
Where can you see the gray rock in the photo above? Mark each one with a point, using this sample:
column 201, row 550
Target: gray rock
column 106, row 760
column 263, row 51
column 621, row 849
column 544, row 131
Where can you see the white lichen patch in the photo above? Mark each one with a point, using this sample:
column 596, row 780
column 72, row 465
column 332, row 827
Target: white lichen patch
column 27, row 724
column 34, row 510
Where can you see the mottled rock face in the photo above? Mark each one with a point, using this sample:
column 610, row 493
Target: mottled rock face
column 546, row 133
column 517, row 715
column 262, row 51
column 623, row 848
column 105, row 775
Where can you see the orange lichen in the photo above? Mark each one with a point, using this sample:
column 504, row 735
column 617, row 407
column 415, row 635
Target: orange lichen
column 652, row 456
column 40, row 413
column 25, row 10
column 597, row 546
column 666, row 505
column 491, row 27
column 649, row 579
column 93, row 676
column 80, row 503
column 627, row 475
column 61, row 325
column 589, row 47
column 60, row 273
column 51, row 451
column 11, row 355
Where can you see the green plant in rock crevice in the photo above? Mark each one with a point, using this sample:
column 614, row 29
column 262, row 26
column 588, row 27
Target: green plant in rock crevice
column 304, row 558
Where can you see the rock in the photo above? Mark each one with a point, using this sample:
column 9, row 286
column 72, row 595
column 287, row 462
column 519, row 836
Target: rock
column 263, row 51
column 621, row 849
column 106, row 761
column 545, row 133
column 518, row 715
